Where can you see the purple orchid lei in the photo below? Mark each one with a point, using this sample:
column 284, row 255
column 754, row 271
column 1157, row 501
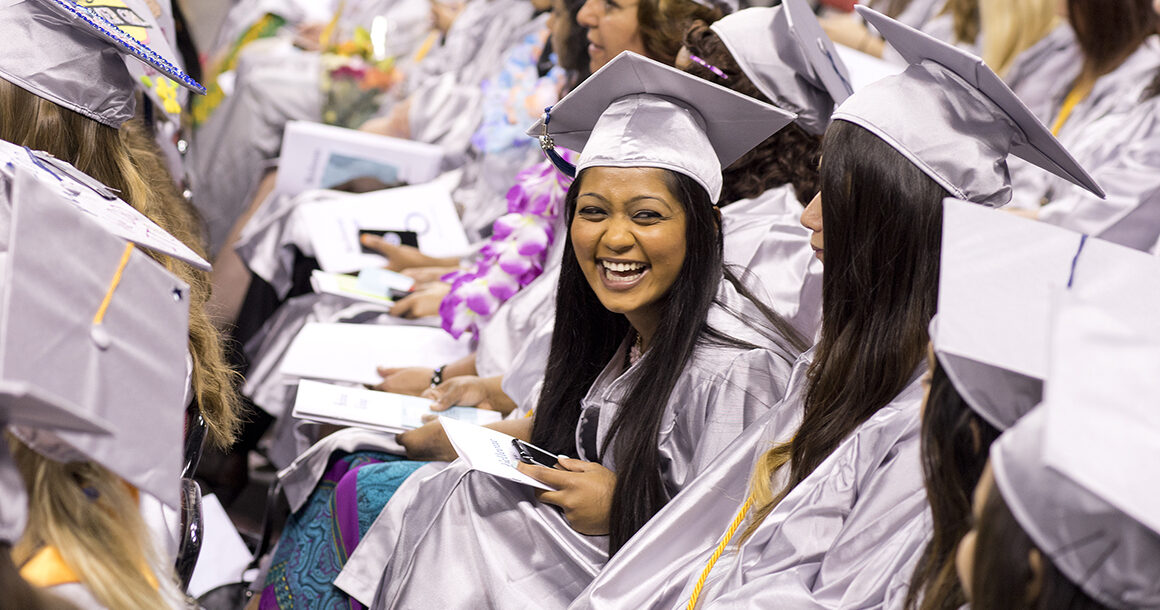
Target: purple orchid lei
column 515, row 254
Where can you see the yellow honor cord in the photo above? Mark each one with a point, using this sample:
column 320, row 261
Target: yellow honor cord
column 100, row 316
column 737, row 521
column 1074, row 97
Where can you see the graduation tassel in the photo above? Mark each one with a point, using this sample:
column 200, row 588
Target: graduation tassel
column 100, row 315
column 549, row 147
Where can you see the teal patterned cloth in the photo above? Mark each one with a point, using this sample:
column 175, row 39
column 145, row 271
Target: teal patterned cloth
column 318, row 539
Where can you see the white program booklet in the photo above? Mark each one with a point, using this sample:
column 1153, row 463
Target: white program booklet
column 318, row 156
column 352, row 352
column 424, row 209
column 487, row 450
column 347, row 406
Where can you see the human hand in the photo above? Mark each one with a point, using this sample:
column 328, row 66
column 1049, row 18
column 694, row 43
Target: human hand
column 422, row 302
column 308, row 36
column 428, row 442
column 399, row 257
column 583, row 492
column 849, row 30
column 410, row 380
column 466, row 391
column 428, row 275
column 397, row 123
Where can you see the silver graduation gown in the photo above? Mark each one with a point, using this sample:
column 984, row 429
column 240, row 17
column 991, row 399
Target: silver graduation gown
column 1116, row 138
column 1036, row 73
column 836, row 541
column 766, row 243
column 469, row 540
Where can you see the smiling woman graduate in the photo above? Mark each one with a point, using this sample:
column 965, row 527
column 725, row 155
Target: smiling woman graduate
column 659, row 360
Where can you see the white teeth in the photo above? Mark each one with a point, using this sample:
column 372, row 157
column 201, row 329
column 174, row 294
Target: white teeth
column 622, row 267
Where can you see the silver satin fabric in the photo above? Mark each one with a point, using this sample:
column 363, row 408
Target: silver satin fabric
column 1037, row 74
column 276, row 82
column 49, row 57
column 1113, row 557
column 973, row 169
column 766, row 243
column 458, row 533
column 13, row 496
column 1116, row 138
column 836, row 541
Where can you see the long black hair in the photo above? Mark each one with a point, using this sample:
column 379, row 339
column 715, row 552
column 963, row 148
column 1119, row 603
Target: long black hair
column 587, row 336
column 882, row 221
column 1002, row 574
column 955, row 442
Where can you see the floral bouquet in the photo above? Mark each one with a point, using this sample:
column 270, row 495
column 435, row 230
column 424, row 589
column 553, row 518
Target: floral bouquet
column 354, row 82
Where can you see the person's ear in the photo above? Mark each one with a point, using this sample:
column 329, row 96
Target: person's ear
column 1035, row 585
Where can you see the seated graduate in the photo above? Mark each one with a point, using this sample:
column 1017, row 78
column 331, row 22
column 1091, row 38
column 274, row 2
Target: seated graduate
column 826, row 515
column 1105, row 108
column 1053, row 527
column 987, row 371
column 52, row 100
column 96, row 329
column 660, row 359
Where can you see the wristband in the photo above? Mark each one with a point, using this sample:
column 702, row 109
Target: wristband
column 437, row 376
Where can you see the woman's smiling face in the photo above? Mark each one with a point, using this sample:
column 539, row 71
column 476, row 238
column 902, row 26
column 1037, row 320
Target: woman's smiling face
column 628, row 233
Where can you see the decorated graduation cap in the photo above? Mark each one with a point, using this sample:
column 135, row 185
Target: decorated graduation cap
column 1079, row 472
column 998, row 273
column 91, row 324
column 788, row 57
column 951, row 116
column 635, row 112
column 75, row 57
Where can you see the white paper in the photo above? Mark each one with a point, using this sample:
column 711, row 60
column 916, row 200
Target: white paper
column 344, row 285
column 384, row 411
column 487, row 450
column 426, row 209
column 317, row 156
column 351, row 352
column 224, row 556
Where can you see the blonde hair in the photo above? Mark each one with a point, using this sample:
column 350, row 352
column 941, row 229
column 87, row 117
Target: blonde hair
column 90, row 516
column 965, row 19
column 1010, row 27
column 128, row 160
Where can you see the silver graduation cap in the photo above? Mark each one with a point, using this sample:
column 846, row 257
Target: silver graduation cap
column 635, row 112
column 1079, row 472
column 997, row 276
column 90, row 324
column 788, row 57
column 74, row 57
column 957, row 121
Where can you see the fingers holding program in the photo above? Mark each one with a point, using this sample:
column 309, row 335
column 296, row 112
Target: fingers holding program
column 422, row 302
column 583, row 492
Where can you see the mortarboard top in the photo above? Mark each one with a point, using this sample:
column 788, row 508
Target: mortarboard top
column 92, row 324
column 636, row 112
column 1079, row 472
column 788, row 57
column 951, row 116
column 95, row 199
column 997, row 276
column 74, row 57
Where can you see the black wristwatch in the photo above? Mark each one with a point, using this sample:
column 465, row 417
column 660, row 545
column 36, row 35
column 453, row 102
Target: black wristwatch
column 437, row 376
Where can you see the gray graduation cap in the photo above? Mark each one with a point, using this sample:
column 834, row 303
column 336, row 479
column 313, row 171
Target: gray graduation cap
column 998, row 274
column 951, row 116
column 68, row 54
column 788, row 57
column 636, row 112
column 91, row 324
column 1079, row 472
